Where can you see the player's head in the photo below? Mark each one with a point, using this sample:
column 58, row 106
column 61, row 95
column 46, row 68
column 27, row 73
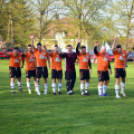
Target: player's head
column 39, row 46
column 56, row 49
column 69, row 49
column 103, row 49
column 119, row 48
column 16, row 50
column 29, row 48
column 83, row 49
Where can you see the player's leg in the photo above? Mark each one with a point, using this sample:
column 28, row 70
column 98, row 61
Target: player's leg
column 45, row 75
column 59, row 86
column 123, row 87
column 87, row 77
column 117, row 79
column 100, row 84
column 59, row 77
column 18, row 75
column 12, row 85
column 87, row 86
column 38, row 76
column 34, row 76
column 106, row 75
column 82, row 87
column 54, row 74
column 12, row 78
column 100, row 89
column 28, row 85
column 54, row 86
column 105, row 88
column 73, row 75
column 67, row 77
column 28, row 81
column 35, row 83
column 123, row 75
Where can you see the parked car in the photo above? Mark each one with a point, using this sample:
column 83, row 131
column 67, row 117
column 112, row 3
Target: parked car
column 130, row 56
column 2, row 55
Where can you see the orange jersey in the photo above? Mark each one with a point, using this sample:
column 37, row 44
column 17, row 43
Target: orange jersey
column 56, row 61
column 102, row 60
column 83, row 60
column 30, row 61
column 120, row 59
column 15, row 60
column 41, row 58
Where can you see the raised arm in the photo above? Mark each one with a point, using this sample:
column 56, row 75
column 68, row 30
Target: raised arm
column 45, row 47
column 113, row 46
column 32, row 41
column 5, row 51
column 95, row 49
column 78, row 45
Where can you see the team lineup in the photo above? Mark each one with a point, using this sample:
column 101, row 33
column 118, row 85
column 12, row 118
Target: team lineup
column 36, row 67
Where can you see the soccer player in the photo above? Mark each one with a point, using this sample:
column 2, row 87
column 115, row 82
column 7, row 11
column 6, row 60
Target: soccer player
column 56, row 70
column 14, row 67
column 41, row 59
column 102, row 68
column 120, row 65
column 30, row 67
column 85, row 68
column 70, row 73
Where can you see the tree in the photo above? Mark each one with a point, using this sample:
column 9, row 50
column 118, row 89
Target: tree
column 124, row 18
column 45, row 12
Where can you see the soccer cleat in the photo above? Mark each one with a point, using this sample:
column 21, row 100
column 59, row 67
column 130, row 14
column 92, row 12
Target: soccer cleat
column 87, row 94
column 106, row 94
column 59, row 93
column 84, row 94
column 71, row 92
column 20, row 89
column 38, row 92
column 54, row 94
column 122, row 92
column 13, row 92
column 118, row 97
column 29, row 92
column 68, row 93
column 101, row 95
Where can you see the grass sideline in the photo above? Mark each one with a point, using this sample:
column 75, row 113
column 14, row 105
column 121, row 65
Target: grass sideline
column 33, row 114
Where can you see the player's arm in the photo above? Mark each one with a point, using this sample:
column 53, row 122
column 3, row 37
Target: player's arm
column 45, row 47
column 32, row 41
column 22, row 62
column 5, row 52
column 113, row 46
column 95, row 48
column 109, row 66
column 90, row 66
column 78, row 45
column 48, row 59
column 62, row 55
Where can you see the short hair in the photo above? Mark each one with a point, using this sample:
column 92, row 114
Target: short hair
column 56, row 46
column 29, row 45
column 83, row 47
column 118, row 46
column 16, row 48
column 69, row 45
column 39, row 44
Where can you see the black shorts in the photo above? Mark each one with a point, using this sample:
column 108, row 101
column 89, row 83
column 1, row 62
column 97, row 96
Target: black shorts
column 103, row 75
column 41, row 71
column 56, row 74
column 30, row 73
column 70, row 75
column 14, row 72
column 84, row 74
column 119, row 72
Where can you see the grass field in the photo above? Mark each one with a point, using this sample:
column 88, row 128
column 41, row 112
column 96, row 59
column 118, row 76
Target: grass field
column 32, row 114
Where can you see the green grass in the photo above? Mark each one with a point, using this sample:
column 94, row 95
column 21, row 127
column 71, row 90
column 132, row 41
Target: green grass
column 32, row 114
